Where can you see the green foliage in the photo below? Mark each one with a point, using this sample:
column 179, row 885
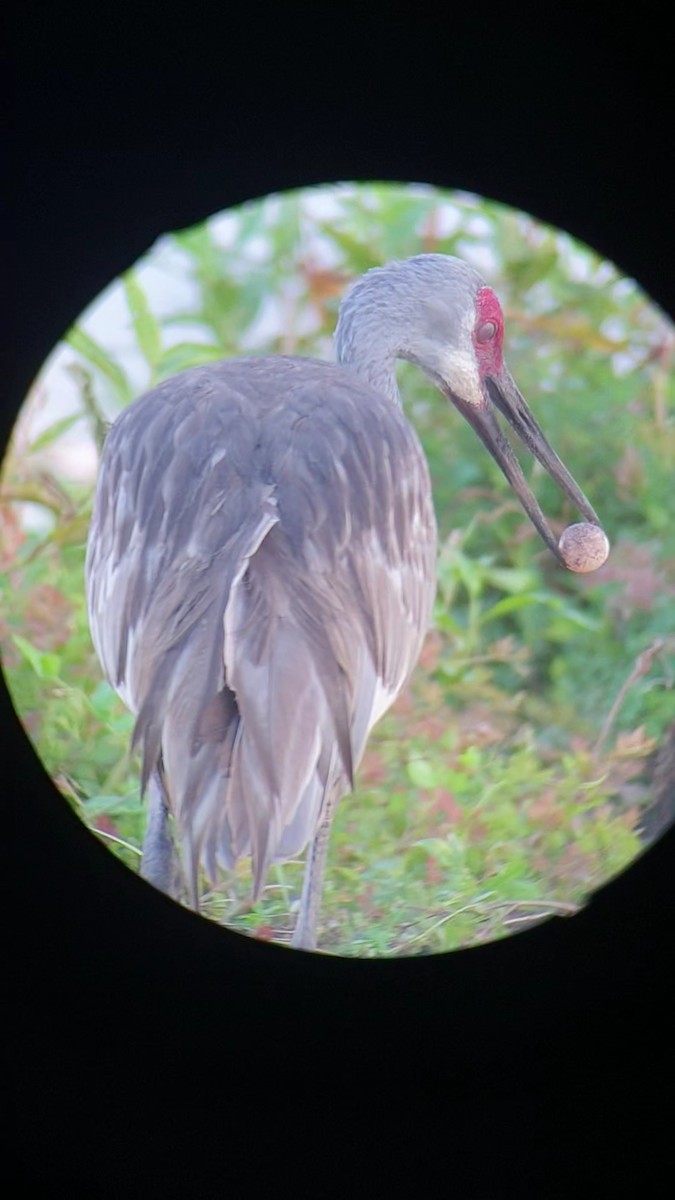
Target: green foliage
column 506, row 783
column 146, row 327
column 96, row 356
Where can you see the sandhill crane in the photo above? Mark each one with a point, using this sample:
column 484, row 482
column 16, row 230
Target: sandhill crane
column 261, row 566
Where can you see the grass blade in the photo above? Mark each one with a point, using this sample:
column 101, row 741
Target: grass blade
column 54, row 432
column 145, row 324
column 90, row 350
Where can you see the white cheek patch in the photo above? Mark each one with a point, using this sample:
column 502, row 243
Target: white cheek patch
column 460, row 371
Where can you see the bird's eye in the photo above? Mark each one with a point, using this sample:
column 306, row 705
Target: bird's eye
column 486, row 331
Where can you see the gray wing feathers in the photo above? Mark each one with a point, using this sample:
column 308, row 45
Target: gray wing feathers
column 260, row 576
column 293, row 696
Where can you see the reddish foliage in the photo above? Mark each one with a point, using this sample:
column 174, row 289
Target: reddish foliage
column 630, row 819
column 432, row 871
column 405, row 704
column 265, row 933
column 572, row 866
column 431, row 651
column 477, row 832
column 545, row 810
column 635, row 744
column 478, row 725
column 579, row 744
column 628, row 759
column 430, row 727
column 444, row 803
column 372, row 769
column 105, row 824
column 47, row 617
column 11, row 536
column 323, row 285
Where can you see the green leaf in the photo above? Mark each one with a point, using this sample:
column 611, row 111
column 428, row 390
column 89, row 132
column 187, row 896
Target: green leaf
column 359, row 255
column 90, row 350
column 444, row 621
column 565, row 612
column 458, row 782
column 187, row 318
column 199, row 244
column 54, row 432
column 45, row 664
column 471, row 758
column 525, row 272
column 96, row 806
column 513, row 603
column 421, row 773
column 145, row 324
column 469, row 571
column 510, row 579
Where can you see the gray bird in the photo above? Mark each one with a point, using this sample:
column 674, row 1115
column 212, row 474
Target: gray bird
column 261, row 567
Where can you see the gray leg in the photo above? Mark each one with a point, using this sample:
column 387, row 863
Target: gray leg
column 304, row 937
column 160, row 865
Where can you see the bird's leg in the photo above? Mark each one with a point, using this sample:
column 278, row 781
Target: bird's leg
column 160, row 864
column 304, row 937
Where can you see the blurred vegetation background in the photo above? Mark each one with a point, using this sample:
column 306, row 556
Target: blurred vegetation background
column 511, row 778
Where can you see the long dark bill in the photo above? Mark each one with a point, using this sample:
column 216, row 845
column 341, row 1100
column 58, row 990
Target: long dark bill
column 504, row 395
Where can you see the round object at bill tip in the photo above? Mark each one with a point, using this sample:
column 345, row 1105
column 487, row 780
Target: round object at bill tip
column 263, row 528
column 584, row 547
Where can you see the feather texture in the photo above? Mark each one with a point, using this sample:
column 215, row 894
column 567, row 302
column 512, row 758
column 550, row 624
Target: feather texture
column 260, row 575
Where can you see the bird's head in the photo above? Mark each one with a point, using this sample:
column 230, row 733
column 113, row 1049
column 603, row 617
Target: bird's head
column 438, row 312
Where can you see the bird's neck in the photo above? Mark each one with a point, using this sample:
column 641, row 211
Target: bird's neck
column 370, row 353
column 380, row 375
